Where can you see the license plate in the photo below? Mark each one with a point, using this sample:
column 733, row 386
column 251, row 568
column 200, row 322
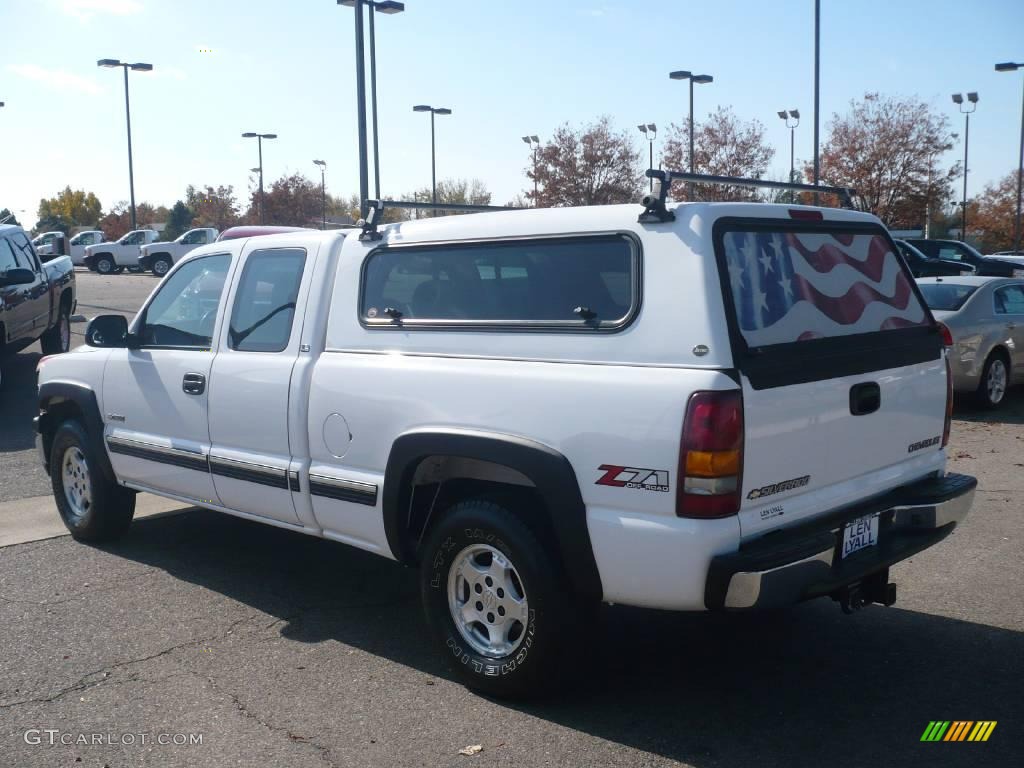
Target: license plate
column 860, row 533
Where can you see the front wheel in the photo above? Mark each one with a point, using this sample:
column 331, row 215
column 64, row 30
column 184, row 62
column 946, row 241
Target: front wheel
column 161, row 265
column 494, row 601
column 995, row 379
column 92, row 507
column 57, row 340
column 105, row 265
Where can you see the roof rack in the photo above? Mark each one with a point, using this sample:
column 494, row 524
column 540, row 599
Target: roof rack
column 375, row 209
column 654, row 204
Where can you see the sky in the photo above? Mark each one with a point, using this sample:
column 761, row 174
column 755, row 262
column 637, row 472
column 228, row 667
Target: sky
column 505, row 67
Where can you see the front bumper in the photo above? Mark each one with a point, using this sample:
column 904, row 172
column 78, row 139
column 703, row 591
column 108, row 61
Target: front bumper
column 145, row 262
column 799, row 563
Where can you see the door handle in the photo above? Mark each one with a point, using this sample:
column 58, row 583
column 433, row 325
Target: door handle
column 865, row 398
column 193, row 384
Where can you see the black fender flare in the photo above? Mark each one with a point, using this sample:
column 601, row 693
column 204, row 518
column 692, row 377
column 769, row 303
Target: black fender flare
column 55, row 392
column 549, row 470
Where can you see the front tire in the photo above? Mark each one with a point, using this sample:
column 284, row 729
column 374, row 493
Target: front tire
column 995, row 380
column 92, row 507
column 161, row 265
column 105, row 264
column 57, row 340
column 494, row 600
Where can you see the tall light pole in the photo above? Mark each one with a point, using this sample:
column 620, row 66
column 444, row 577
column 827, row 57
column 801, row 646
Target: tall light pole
column 786, row 116
column 323, row 190
column 137, row 67
column 817, row 93
column 389, row 7
column 1009, row 66
column 700, row 80
column 534, row 143
column 958, row 99
column 650, row 132
column 433, row 154
column 259, row 142
column 364, row 174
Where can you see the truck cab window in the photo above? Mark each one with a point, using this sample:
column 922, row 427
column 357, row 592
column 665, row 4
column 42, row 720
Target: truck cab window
column 184, row 310
column 261, row 320
column 7, row 260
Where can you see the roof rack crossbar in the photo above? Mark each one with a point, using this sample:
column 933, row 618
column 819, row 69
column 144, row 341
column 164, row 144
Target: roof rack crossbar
column 375, row 208
column 845, row 194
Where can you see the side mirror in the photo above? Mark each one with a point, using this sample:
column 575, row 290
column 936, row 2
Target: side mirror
column 109, row 331
column 17, row 276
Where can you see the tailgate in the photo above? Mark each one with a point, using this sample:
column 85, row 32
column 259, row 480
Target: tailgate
column 841, row 366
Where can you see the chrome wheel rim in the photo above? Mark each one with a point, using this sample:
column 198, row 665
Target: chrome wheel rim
column 65, row 332
column 75, row 480
column 104, row 266
column 160, row 268
column 487, row 601
column 996, row 383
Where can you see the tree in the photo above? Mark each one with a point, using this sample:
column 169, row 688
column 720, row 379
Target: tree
column 292, row 201
column 591, row 165
column 887, row 148
column 8, row 217
column 179, row 220
column 724, row 145
column 212, row 206
column 451, row 191
column 117, row 221
column 70, row 208
column 990, row 218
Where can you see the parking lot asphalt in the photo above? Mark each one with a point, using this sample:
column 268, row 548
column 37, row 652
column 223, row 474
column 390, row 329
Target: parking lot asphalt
column 279, row 649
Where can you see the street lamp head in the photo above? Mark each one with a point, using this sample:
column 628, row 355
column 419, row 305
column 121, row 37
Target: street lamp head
column 442, row 111
column 1008, row 66
column 702, row 79
column 108, row 63
column 389, row 7
column 680, row 74
column 321, row 163
column 422, row 108
column 973, row 97
column 269, row 135
column 527, row 140
column 652, row 127
column 782, row 114
column 958, row 98
column 535, row 139
column 254, row 170
column 795, row 114
column 249, row 135
column 642, row 127
column 140, row 67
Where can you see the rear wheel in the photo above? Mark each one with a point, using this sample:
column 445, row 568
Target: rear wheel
column 92, row 507
column 57, row 340
column 494, row 601
column 995, row 379
column 105, row 264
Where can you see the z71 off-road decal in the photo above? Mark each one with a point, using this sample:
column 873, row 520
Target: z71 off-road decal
column 785, row 485
column 634, row 477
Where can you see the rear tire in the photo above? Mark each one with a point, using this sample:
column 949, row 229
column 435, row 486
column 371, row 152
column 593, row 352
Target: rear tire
column 494, row 600
column 995, row 380
column 57, row 340
column 92, row 507
column 105, row 264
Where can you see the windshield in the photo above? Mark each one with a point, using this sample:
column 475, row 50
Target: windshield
column 946, row 297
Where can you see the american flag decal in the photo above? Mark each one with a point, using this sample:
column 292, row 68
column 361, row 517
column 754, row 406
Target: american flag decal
column 789, row 286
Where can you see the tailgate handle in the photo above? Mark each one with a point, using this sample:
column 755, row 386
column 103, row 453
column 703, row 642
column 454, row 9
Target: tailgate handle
column 865, row 398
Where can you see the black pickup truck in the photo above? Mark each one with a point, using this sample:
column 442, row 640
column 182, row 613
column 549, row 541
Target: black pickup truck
column 37, row 298
column 954, row 250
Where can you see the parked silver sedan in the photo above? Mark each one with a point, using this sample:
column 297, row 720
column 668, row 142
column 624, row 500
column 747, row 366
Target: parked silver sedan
column 985, row 317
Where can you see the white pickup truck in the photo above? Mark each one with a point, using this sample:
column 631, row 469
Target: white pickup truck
column 44, row 244
column 160, row 257
column 692, row 407
column 113, row 258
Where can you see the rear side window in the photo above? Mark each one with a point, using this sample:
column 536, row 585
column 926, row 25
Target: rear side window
column 946, row 297
column 7, row 260
column 261, row 320
column 1010, row 300
column 576, row 283
column 793, row 285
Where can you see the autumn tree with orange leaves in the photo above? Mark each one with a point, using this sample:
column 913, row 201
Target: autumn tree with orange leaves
column 991, row 214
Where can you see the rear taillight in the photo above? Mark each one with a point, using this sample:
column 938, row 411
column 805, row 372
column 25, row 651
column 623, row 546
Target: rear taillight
column 711, row 456
column 947, row 335
column 947, row 425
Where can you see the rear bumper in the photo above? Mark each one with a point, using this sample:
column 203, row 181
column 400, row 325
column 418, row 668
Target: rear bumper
column 803, row 562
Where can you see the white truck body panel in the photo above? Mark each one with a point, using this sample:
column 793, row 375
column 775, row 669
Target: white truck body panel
column 125, row 252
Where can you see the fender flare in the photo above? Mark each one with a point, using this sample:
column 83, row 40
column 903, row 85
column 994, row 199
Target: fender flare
column 549, row 470
column 55, row 392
